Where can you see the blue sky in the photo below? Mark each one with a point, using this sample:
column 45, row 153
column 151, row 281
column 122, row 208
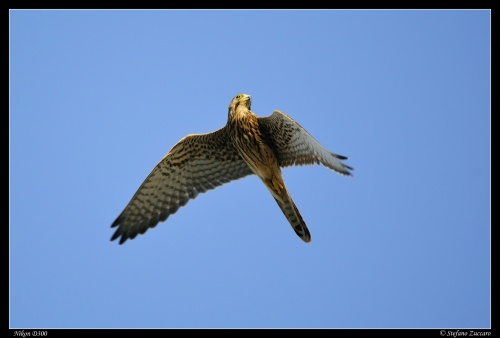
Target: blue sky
column 97, row 98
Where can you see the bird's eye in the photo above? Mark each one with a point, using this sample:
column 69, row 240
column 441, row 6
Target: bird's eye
column 238, row 96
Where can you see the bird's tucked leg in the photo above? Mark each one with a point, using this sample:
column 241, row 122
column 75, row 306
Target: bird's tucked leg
column 276, row 186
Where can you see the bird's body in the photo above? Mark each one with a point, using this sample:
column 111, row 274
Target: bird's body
column 247, row 145
column 256, row 150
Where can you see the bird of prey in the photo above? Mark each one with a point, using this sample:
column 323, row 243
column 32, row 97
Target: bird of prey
column 246, row 145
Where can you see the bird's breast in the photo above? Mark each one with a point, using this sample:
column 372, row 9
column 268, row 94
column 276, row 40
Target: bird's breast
column 253, row 148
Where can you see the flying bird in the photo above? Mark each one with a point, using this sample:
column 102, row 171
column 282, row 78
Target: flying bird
column 248, row 144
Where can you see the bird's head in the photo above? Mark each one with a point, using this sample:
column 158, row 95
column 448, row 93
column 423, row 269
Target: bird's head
column 240, row 99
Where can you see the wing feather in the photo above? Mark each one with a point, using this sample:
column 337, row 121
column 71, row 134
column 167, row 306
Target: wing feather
column 295, row 146
column 196, row 164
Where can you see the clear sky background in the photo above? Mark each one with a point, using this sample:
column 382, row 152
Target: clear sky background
column 97, row 98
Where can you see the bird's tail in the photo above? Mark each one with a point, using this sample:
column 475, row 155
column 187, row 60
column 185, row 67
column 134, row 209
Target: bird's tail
column 291, row 212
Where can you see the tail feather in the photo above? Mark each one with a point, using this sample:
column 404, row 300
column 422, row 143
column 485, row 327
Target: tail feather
column 293, row 215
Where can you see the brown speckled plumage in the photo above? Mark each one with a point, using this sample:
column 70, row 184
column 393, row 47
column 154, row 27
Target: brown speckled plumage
column 247, row 145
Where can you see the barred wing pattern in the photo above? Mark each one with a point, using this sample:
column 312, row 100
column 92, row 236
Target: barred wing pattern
column 293, row 145
column 196, row 164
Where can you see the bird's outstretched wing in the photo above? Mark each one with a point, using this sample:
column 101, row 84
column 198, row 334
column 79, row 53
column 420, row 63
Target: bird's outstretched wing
column 195, row 164
column 293, row 145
